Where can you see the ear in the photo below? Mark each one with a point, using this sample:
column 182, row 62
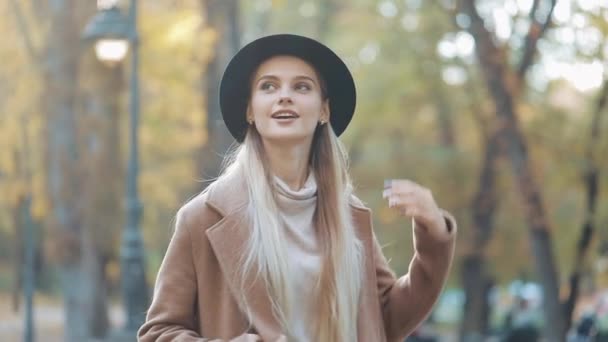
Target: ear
column 249, row 115
column 325, row 111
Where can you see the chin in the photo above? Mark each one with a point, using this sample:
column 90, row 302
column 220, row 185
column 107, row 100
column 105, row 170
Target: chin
column 287, row 138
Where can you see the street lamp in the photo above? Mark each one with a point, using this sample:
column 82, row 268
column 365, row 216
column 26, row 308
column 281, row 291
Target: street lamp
column 112, row 33
column 111, row 51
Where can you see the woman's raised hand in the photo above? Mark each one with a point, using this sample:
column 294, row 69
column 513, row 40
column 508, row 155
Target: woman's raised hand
column 415, row 201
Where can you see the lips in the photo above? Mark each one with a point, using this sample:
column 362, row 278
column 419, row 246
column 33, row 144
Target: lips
column 285, row 114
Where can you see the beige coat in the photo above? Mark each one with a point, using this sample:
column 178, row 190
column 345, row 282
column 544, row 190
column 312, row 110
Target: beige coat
column 196, row 297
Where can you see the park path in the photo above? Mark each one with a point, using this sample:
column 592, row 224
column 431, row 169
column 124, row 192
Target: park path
column 48, row 321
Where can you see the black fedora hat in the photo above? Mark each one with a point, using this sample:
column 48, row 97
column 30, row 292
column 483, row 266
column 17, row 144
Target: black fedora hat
column 235, row 85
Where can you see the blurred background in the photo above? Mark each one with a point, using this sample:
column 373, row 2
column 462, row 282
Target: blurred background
column 109, row 122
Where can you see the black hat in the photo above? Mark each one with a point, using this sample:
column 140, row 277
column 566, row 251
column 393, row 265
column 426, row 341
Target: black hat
column 235, row 85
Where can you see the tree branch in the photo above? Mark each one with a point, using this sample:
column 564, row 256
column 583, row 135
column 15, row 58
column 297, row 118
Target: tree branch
column 487, row 50
column 534, row 9
column 536, row 31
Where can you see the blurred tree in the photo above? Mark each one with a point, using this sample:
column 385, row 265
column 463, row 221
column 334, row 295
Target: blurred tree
column 175, row 47
column 473, row 312
column 102, row 178
column 475, row 275
column 21, row 123
column 591, row 180
column 505, row 86
column 74, row 247
column 28, row 249
column 222, row 17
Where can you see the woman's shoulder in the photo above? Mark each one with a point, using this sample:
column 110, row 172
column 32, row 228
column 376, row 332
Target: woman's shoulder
column 196, row 211
column 356, row 202
column 220, row 198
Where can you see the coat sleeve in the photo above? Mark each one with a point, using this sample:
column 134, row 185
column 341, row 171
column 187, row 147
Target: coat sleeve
column 407, row 301
column 172, row 314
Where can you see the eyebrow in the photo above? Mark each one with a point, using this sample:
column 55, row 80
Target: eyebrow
column 273, row 77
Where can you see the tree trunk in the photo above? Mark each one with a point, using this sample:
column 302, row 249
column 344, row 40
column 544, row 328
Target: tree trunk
column 19, row 251
column 64, row 177
column 475, row 277
column 443, row 108
column 444, row 118
column 223, row 17
column 497, row 77
column 477, row 284
column 591, row 179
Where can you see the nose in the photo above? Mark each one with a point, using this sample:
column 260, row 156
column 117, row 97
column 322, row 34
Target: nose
column 285, row 100
column 285, row 97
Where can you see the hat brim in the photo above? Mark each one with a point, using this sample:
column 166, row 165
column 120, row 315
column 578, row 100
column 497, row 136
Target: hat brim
column 235, row 84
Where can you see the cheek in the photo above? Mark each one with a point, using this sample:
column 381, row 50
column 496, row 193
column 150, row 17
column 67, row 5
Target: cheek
column 258, row 106
column 315, row 108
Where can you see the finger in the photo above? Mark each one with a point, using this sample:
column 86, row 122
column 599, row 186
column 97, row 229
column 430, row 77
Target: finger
column 406, row 185
column 386, row 193
column 402, row 183
column 392, row 193
column 404, row 197
column 419, row 193
column 401, row 201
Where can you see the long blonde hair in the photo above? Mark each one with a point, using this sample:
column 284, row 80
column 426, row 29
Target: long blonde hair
column 339, row 283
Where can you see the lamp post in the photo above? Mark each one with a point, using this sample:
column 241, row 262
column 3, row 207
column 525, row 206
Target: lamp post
column 112, row 33
column 25, row 214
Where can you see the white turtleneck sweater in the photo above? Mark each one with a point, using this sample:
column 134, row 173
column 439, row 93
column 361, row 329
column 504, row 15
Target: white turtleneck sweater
column 296, row 211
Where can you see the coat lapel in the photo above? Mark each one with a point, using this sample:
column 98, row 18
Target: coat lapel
column 228, row 238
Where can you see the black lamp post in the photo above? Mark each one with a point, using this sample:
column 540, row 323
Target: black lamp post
column 112, row 33
column 25, row 214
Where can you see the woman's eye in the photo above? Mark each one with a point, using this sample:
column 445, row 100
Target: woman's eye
column 303, row 86
column 267, row 86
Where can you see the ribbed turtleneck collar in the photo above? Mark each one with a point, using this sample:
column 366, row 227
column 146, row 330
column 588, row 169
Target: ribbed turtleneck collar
column 308, row 190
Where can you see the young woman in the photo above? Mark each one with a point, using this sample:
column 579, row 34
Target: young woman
column 278, row 248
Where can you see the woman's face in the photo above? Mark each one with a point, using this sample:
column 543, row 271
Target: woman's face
column 286, row 102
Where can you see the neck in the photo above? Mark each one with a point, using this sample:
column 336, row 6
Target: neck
column 289, row 162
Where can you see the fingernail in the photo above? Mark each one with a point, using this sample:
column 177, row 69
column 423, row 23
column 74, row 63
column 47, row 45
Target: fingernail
column 385, row 193
column 388, row 183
